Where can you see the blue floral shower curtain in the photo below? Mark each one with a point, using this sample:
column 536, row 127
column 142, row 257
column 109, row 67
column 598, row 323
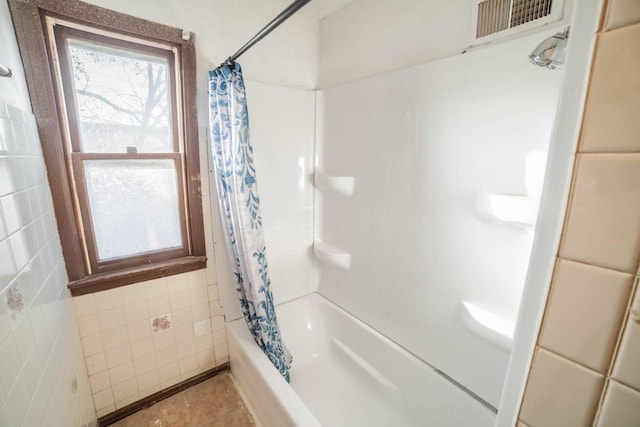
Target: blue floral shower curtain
column 240, row 210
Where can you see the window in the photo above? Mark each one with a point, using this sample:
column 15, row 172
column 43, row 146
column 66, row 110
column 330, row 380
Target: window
column 123, row 160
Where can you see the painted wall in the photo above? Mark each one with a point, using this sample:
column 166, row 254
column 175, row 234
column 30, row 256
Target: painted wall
column 585, row 368
column 288, row 56
column 43, row 380
column 13, row 90
column 424, row 144
column 369, row 37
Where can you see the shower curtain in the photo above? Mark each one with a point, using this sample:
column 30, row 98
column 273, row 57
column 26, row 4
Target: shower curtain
column 240, row 210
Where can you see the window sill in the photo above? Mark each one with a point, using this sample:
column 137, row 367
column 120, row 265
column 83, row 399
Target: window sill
column 114, row 279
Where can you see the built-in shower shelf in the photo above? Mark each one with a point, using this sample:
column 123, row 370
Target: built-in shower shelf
column 336, row 183
column 331, row 255
column 489, row 326
column 517, row 210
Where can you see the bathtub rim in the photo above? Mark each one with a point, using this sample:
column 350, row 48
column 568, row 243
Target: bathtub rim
column 295, row 412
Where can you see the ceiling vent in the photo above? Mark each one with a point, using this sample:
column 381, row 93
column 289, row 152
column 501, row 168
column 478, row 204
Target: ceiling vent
column 497, row 18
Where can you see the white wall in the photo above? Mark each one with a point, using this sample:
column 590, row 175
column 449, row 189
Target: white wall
column 43, row 380
column 422, row 144
column 288, row 56
column 369, row 37
column 14, row 90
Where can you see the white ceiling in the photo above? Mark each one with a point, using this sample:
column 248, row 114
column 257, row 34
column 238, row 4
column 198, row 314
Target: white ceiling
column 318, row 9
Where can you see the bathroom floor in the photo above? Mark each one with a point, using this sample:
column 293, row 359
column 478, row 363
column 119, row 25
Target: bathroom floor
column 215, row 402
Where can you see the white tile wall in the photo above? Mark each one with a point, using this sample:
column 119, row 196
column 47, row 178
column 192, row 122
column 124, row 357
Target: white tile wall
column 126, row 359
column 43, row 379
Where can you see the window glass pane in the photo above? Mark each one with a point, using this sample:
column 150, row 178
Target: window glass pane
column 123, row 100
column 134, row 206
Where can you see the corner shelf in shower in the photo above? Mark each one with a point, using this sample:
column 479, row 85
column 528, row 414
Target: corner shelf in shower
column 516, row 210
column 331, row 255
column 489, row 326
column 520, row 210
column 338, row 184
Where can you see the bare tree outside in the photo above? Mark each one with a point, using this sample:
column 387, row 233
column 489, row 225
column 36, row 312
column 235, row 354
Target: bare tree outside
column 123, row 100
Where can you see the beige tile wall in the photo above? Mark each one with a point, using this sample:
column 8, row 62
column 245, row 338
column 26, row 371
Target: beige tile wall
column 586, row 369
column 43, row 381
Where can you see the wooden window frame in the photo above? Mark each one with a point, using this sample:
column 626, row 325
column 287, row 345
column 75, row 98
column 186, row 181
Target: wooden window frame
column 86, row 275
column 77, row 156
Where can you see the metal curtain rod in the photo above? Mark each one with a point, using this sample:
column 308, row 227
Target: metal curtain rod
column 5, row 71
column 284, row 15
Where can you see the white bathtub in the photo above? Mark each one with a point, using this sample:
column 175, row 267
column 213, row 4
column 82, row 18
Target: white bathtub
column 344, row 374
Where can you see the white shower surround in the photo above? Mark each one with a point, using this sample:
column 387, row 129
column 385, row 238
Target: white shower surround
column 425, row 145
column 421, row 144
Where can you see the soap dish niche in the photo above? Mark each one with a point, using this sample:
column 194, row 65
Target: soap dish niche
column 521, row 211
column 488, row 325
column 334, row 183
column 332, row 255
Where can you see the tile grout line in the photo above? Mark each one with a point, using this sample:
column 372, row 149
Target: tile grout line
column 635, row 273
column 614, row 356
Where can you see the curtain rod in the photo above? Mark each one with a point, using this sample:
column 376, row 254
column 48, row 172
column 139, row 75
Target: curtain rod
column 283, row 16
column 5, row 71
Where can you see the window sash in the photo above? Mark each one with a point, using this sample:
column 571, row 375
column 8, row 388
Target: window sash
column 90, row 241
column 63, row 35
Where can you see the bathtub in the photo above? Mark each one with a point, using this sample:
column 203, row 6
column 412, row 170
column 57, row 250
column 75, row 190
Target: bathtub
column 344, row 374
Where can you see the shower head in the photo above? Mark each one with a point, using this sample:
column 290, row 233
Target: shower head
column 550, row 53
